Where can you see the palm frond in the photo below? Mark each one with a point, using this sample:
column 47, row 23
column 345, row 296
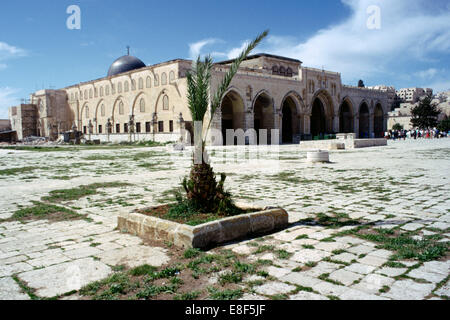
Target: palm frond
column 198, row 80
column 199, row 83
column 226, row 81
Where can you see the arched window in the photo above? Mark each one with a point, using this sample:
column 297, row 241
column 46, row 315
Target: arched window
column 102, row 110
column 87, row 112
column 163, row 79
column 85, row 94
column 289, row 72
column 121, row 111
column 71, row 96
column 149, row 82
column 156, row 80
column 107, row 90
column 126, row 86
column 141, row 83
column 133, row 84
column 171, row 76
column 119, row 87
column 142, row 105
column 90, row 93
column 166, row 103
column 96, row 92
column 76, row 95
column 101, row 91
column 275, row 70
column 282, row 71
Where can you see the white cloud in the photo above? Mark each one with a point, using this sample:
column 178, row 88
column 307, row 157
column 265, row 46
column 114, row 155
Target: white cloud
column 8, row 98
column 407, row 32
column 9, row 52
column 195, row 49
column 235, row 52
column 427, row 74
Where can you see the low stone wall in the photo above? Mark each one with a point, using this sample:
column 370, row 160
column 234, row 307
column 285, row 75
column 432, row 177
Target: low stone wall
column 322, row 145
column 365, row 143
column 124, row 137
column 342, row 143
column 205, row 235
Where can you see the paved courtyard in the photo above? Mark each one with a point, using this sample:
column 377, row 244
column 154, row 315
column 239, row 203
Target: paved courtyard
column 402, row 189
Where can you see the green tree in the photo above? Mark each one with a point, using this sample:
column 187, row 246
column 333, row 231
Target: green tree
column 361, row 84
column 397, row 126
column 204, row 193
column 444, row 125
column 425, row 114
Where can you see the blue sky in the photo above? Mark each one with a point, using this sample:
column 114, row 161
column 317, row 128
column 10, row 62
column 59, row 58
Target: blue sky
column 411, row 47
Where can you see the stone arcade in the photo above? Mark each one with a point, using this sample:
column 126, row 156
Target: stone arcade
column 149, row 103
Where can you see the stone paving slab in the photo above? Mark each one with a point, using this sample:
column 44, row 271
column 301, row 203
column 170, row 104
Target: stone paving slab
column 303, row 295
column 345, row 277
column 409, row 290
column 274, row 288
column 300, row 279
column 65, row 277
column 10, row 290
column 135, row 256
column 309, row 255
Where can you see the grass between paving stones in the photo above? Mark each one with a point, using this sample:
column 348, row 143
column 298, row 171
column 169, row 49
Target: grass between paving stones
column 81, row 191
column 186, row 277
column 45, row 211
column 333, row 221
column 15, row 171
column 69, row 148
column 403, row 244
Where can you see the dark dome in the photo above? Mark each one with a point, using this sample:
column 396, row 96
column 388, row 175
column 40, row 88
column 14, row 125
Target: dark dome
column 125, row 64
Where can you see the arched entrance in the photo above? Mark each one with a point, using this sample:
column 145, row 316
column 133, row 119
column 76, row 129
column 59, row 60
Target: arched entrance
column 364, row 121
column 289, row 123
column 378, row 121
column 346, row 118
column 318, row 118
column 232, row 113
column 263, row 115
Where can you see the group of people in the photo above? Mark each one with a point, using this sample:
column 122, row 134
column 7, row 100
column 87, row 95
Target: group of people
column 415, row 134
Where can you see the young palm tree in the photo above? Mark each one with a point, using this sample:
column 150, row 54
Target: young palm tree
column 203, row 191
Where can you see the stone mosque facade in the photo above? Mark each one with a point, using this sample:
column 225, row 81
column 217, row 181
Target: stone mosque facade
column 140, row 102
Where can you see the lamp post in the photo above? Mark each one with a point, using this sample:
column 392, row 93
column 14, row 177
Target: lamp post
column 108, row 128
column 154, row 123
column 182, row 126
column 90, row 128
column 131, row 126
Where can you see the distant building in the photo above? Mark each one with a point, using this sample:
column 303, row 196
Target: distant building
column 413, row 94
column 5, row 125
column 402, row 114
column 391, row 95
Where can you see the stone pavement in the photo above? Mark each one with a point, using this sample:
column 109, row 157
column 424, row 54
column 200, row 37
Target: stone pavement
column 403, row 185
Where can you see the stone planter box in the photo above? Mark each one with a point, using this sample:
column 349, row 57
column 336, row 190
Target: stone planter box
column 204, row 235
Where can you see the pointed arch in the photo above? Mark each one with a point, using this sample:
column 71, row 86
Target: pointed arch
column 364, row 119
column 136, row 101
column 346, row 115
column 297, row 98
column 260, row 93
